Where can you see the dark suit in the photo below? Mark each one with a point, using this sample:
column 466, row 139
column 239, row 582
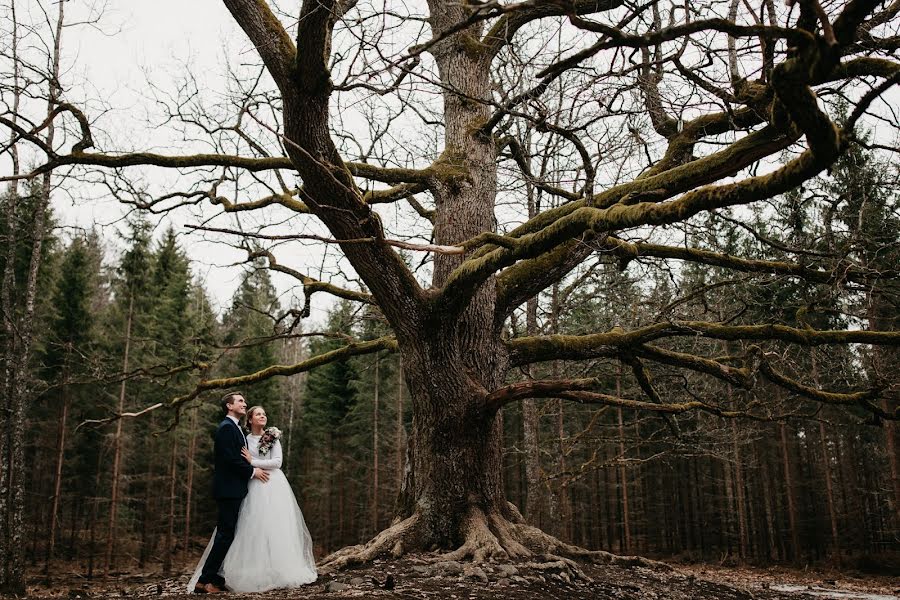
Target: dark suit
column 231, row 475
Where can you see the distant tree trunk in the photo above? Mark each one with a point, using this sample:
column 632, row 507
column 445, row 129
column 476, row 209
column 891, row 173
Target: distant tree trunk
column 535, row 499
column 189, row 485
column 117, row 451
column 688, row 504
column 739, row 488
column 790, row 493
column 829, row 490
column 60, row 451
column 882, row 314
column 374, row 501
column 534, row 492
column 640, row 500
column 698, row 512
column 772, row 537
column 75, row 510
column 332, row 467
column 149, row 511
column 295, row 396
column 400, row 431
column 593, row 512
column 893, row 449
column 626, row 516
column 562, row 501
column 168, row 549
column 727, row 481
column 92, row 536
column 342, row 486
column 610, row 498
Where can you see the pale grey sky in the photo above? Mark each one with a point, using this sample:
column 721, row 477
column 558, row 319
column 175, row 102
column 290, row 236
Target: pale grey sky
column 136, row 42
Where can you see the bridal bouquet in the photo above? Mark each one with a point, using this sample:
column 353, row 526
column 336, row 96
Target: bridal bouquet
column 267, row 440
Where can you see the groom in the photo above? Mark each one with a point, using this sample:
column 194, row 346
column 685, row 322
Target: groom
column 231, row 475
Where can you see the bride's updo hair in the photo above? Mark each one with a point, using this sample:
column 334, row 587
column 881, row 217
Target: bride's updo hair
column 249, row 416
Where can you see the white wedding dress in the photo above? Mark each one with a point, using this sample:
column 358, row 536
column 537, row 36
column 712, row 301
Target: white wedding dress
column 272, row 547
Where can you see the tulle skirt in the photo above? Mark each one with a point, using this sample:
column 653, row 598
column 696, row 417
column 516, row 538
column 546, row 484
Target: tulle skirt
column 272, row 548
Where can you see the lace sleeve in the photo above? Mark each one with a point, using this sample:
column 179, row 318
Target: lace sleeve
column 273, row 461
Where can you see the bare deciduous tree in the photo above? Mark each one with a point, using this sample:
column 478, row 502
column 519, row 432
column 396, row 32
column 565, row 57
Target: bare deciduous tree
column 648, row 115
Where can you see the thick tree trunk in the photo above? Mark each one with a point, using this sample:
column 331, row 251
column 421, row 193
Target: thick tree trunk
column 457, row 452
column 459, row 496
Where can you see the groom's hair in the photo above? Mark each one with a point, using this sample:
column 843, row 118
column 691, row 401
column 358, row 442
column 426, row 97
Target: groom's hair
column 227, row 399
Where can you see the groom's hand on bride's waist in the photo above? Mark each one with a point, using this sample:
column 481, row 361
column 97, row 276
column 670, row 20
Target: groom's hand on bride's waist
column 260, row 474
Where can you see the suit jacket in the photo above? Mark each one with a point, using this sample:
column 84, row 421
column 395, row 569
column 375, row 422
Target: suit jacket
column 232, row 472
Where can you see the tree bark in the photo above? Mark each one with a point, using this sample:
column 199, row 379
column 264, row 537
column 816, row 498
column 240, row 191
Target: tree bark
column 623, row 478
column 790, row 493
column 882, row 314
column 374, row 497
column 169, row 549
column 57, row 483
column 768, row 508
column 108, row 562
column 400, row 432
column 731, row 511
column 189, row 483
column 16, row 392
column 739, row 487
column 535, row 497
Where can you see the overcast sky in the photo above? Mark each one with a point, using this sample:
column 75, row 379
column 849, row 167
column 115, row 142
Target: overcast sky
column 143, row 40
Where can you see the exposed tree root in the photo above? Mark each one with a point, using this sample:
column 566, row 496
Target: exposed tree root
column 486, row 537
column 394, row 540
column 544, row 543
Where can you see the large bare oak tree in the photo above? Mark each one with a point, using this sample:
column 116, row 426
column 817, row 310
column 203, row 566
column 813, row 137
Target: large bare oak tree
column 666, row 112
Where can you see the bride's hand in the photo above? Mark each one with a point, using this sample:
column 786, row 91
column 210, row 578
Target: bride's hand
column 246, row 454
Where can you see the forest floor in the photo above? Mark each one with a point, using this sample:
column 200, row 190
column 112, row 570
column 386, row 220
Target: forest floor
column 420, row 577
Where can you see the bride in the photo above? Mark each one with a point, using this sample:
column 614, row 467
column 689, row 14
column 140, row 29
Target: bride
column 272, row 547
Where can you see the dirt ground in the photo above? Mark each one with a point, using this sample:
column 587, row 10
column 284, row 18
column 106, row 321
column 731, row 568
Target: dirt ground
column 426, row 577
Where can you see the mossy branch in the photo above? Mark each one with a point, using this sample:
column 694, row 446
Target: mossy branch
column 466, row 278
column 529, row 350
column 629, row 251
column 590, row 397
column 353, row 349
column 863, row 399
column 584, row 391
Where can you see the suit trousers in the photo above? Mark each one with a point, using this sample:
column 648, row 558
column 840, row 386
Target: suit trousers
column 225, row 528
